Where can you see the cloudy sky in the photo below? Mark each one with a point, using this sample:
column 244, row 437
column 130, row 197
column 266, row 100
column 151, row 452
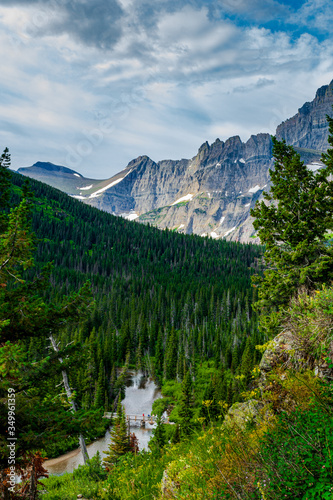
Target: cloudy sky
column 92, row 84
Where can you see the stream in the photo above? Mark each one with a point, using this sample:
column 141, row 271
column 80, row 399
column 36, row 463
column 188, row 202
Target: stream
column 139, row 397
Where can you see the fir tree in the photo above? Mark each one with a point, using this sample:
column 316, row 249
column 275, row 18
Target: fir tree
column 294, row 228
column 5, row 183
column 120, row 440
column 100, row 388
column 25, row 314
column 171, row 355
column 185, row 411
column 157, row 442
column 176, row 435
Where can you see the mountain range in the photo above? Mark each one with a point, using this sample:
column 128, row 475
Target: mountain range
column 210, row 194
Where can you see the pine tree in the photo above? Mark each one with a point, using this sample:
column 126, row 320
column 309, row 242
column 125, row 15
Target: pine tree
column 185, row 411
column 5, row 182
column 100, row 388
column 176, row 435
column 247, row 360
column 25, row 314
column 157, row 442
column 171, row 356
column 294, row 227
column 120, row 440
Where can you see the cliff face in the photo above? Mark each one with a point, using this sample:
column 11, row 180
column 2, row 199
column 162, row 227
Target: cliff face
column 308, row 128
column 214, row 193
column 210, row 194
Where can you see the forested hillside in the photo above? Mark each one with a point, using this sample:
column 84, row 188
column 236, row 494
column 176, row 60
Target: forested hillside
column 165, row 302
column 277, row 442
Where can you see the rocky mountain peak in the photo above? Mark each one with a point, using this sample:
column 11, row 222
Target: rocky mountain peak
column 50, row 167
column 210, row 194
column 324, row 92
column 308, row 129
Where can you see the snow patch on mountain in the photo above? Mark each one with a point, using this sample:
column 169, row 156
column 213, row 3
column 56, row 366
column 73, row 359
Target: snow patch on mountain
column 131, row 216
column 187, row 197
column 100, row 191
column 230, row 231
column 254, row 189
column 315, row 166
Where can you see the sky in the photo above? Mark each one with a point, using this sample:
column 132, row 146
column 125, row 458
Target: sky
column 93, row 84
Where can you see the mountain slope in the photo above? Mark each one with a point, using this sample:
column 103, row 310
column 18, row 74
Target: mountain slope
column 210, row 194
column 168, row 296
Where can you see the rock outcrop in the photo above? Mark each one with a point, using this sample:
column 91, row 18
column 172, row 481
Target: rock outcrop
column 241, row 415
column 308, row 129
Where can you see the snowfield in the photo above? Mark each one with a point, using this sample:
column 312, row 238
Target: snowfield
column 254, row 189
column 100, row 191
column 187, row 197
column 230, row 231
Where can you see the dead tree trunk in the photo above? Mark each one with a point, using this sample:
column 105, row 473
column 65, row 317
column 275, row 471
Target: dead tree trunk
column 71, row 400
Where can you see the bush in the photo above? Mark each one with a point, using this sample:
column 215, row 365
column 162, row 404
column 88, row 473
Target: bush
column 92, row 470
column 297, row 455
column 310, row 321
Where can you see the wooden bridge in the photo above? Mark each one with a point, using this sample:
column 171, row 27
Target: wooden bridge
column 142, row 420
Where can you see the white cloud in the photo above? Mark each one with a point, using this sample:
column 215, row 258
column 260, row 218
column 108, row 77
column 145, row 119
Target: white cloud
column 316, row 14
column 162, row 90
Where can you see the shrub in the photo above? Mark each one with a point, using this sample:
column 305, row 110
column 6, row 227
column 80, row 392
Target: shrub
column 310, row 321
column 297, row 456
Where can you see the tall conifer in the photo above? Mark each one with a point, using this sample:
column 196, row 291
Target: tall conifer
column 120, row 440
column 293, row 223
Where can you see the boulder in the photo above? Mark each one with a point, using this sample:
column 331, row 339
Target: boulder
column 277, row 352
column 242, row 414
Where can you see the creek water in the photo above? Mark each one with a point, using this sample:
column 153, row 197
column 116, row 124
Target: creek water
column 139, row 397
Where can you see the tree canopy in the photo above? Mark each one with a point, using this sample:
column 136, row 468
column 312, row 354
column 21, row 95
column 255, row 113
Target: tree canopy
column 294, row 223
column 26, row 315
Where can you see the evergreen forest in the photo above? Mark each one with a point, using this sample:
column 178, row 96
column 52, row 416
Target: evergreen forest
column 238, row 337
column 162, row 302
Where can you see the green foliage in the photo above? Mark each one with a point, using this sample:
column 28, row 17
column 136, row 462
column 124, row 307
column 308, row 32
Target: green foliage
column 297, row 455
column 120, row 442
column 293, row 227
column 5, row 182
column 85, row 480
column 159, row 438
column 42, row 417
column 185, row 411
column 92, row 470
column 167, row 300
column 309, row 319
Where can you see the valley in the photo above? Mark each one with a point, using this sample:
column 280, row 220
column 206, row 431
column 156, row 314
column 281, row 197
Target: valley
column 210, row 194
column 226, row 330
